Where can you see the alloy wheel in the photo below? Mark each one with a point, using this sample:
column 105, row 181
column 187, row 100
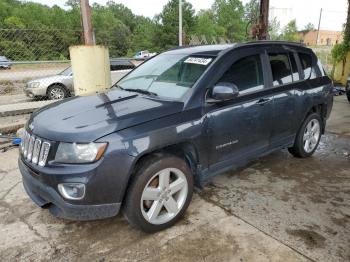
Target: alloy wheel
column 311, row 135
column 56, row 93
column 164, row 196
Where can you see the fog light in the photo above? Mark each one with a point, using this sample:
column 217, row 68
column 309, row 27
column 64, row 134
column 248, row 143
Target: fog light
column 73, row 191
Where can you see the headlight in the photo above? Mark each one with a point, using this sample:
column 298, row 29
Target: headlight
column 34, row 85
column 79, row 153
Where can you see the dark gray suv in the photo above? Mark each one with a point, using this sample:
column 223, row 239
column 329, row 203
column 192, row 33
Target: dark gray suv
column 175, row 121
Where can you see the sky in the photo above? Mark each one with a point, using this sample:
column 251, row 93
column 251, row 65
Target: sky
column 304, row 11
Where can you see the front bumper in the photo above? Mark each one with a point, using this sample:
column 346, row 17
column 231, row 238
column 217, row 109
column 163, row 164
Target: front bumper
column 46, row 196
column 33, row 92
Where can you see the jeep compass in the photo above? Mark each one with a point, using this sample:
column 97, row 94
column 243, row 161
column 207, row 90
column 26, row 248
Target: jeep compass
column 174, row 122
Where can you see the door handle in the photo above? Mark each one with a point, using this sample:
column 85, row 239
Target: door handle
column 263, row 101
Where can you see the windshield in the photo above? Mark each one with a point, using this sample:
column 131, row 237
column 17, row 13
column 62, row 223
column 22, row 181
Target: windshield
column 167, row 75
column 66, row 72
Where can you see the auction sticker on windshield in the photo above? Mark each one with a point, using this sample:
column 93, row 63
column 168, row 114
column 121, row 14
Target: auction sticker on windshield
column 198, row 60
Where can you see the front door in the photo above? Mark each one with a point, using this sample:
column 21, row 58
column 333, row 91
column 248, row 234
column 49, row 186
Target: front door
column 240, row 128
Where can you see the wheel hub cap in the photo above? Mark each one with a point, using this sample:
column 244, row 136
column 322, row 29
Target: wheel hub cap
column 311, row 135
column 164, row 196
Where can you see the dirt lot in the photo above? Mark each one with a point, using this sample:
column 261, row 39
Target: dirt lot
column 277, row 208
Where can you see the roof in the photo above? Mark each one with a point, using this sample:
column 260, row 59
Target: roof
column 216, row 49
column 200, row 49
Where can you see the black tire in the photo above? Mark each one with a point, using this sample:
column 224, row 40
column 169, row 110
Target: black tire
column 144, row 173
column 347, row 91
column 298, row 148
column 58, row 88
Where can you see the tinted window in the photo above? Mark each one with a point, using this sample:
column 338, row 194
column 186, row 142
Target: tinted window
column 294, row 67
column 280, row 67
column 246, row 74
column 306, row 63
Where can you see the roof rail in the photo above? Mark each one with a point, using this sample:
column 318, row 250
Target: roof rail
column 274, row 42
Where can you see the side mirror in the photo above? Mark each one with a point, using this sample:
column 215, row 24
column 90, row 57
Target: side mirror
column 223, row 91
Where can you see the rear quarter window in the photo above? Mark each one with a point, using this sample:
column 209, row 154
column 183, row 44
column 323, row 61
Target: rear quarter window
column 311, row 71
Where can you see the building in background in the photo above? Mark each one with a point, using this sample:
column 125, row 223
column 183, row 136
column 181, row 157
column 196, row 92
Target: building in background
column 325, row 38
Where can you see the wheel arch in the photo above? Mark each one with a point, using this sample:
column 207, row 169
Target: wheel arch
column 185, row 150
column 57, row 84
column 320, row 109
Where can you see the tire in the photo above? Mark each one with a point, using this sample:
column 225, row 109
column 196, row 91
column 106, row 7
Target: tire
column 57, row 92
column 347, row 91
column 149, row 177
column 308, row 137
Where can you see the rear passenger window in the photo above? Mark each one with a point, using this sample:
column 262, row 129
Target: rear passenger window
column 281, row 70
column 294, row 67
column 246, row 74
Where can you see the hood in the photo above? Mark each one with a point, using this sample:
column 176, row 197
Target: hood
column 54, row 78
column 85, row 119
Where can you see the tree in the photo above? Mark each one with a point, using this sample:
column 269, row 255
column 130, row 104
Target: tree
column 289, row 32
column 168, row 24
column 229, row 14
column 274, row 29
column 207, row 26
column 143, row 36
column 309, row 27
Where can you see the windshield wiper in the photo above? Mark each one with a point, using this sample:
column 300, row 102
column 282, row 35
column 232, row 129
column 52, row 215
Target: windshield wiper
column 138, row 90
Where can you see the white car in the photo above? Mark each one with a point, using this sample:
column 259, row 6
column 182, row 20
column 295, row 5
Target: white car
column 61, row 85
column 144, row 54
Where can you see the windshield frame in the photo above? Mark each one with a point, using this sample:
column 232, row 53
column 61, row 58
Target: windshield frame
column 187, row 93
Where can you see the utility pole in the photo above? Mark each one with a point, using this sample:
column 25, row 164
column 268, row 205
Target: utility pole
column 86, row 22
column 260, row 30
column 264, row 19
column 180, row 22
column 319, row 25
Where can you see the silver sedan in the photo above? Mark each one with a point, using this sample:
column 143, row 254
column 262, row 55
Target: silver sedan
column 61, row 85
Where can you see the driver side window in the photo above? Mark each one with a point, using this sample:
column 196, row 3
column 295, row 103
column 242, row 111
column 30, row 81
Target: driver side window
column 246, row 74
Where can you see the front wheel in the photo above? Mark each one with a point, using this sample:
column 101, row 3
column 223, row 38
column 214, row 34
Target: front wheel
column 57, row 92
column 159, row 194
column 308, row 137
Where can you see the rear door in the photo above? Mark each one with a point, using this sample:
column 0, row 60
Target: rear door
column 240, row 128
column 284, row 79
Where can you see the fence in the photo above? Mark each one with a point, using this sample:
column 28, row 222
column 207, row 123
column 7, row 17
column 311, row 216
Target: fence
column 35, row 67
column 37, row 70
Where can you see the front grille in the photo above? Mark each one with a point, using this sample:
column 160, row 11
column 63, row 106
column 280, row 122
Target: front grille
column 35, row 149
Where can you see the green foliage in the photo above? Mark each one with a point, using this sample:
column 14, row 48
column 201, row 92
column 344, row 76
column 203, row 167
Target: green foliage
column 309, row 27
column 289, row 32
column 32, row 31
column 339, row 52
column 229, row 14
column 206, row 25
column 274, row 29
column 168, row 24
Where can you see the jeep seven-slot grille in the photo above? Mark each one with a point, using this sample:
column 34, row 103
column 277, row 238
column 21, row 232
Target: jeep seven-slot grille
column 34, row 149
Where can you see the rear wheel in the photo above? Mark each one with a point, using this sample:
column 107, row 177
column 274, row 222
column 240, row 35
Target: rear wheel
column 159, row 193
column 57, row 92
column 308, row 137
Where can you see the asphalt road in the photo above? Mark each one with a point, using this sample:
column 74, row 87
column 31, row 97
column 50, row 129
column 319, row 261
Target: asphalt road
column 278, row 208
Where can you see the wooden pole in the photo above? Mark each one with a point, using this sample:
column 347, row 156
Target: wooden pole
column 86, row 22
column 263, row 19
